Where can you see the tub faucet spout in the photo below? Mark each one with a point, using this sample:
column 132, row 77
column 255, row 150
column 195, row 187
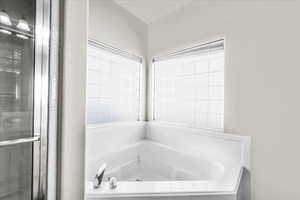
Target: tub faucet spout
column 99, row 176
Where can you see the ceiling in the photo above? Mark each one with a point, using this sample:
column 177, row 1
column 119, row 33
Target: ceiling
column 151, row 10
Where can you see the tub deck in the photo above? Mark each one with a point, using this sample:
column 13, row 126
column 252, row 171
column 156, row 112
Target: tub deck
column 160, row 188
column 163, row 176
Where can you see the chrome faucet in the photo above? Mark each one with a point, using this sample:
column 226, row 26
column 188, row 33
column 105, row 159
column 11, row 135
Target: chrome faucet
column 99, row 176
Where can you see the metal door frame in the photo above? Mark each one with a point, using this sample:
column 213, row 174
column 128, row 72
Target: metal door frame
column 41, row 99
column 39, row 139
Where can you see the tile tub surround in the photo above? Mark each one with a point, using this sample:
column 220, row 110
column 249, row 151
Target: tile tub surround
column 227, row 148
column 186, row 147
column 151, row 161
column 110, row 137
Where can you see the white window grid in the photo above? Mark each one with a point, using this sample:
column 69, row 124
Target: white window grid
column 189, row 89
column 113, row 87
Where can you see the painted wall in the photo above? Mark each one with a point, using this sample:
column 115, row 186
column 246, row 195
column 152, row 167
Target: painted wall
column 53, row 100
column 111, row 24
column 73, row 99
column 262, row 78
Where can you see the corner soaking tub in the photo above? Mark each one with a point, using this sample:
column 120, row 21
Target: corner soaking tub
column 152, row 170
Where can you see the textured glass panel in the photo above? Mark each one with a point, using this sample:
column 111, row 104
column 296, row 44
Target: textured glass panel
column 16, row 172
column 16, row 72
column 113, row 91
column 16, row 88
column 16, row 100
column 190, row 89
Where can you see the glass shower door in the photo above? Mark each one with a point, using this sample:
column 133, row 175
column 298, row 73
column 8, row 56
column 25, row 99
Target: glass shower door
column 21, row 102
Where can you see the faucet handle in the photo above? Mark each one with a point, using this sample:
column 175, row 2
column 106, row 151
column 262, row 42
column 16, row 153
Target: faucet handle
column 99, row 176
column 112, row 182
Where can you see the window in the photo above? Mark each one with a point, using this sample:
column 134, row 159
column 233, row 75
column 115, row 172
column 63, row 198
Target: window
column 113, row 86
column 189, row 86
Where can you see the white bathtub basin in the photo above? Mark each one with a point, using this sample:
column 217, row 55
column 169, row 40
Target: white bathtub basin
column 152, row 169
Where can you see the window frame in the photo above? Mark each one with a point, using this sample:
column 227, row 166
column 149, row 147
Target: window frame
column 169, row 56
column 127, row 55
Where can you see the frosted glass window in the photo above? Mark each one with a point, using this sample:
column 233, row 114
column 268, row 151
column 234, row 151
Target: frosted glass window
column 113, row 87
column 189, row 87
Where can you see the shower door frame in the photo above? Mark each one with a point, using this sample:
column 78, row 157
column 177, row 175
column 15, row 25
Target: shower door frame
column 41, row 99
column 39, row 139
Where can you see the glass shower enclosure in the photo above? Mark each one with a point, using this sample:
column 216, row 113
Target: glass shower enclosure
column 24, row 66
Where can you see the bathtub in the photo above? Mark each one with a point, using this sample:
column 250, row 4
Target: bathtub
column 148, row 169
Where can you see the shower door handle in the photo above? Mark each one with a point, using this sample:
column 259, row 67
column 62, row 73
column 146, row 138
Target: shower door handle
column 19, row 141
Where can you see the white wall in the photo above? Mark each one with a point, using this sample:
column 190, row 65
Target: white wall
column 73, row 100
column 112, row 25
column 262, row 78
column 53, row 98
